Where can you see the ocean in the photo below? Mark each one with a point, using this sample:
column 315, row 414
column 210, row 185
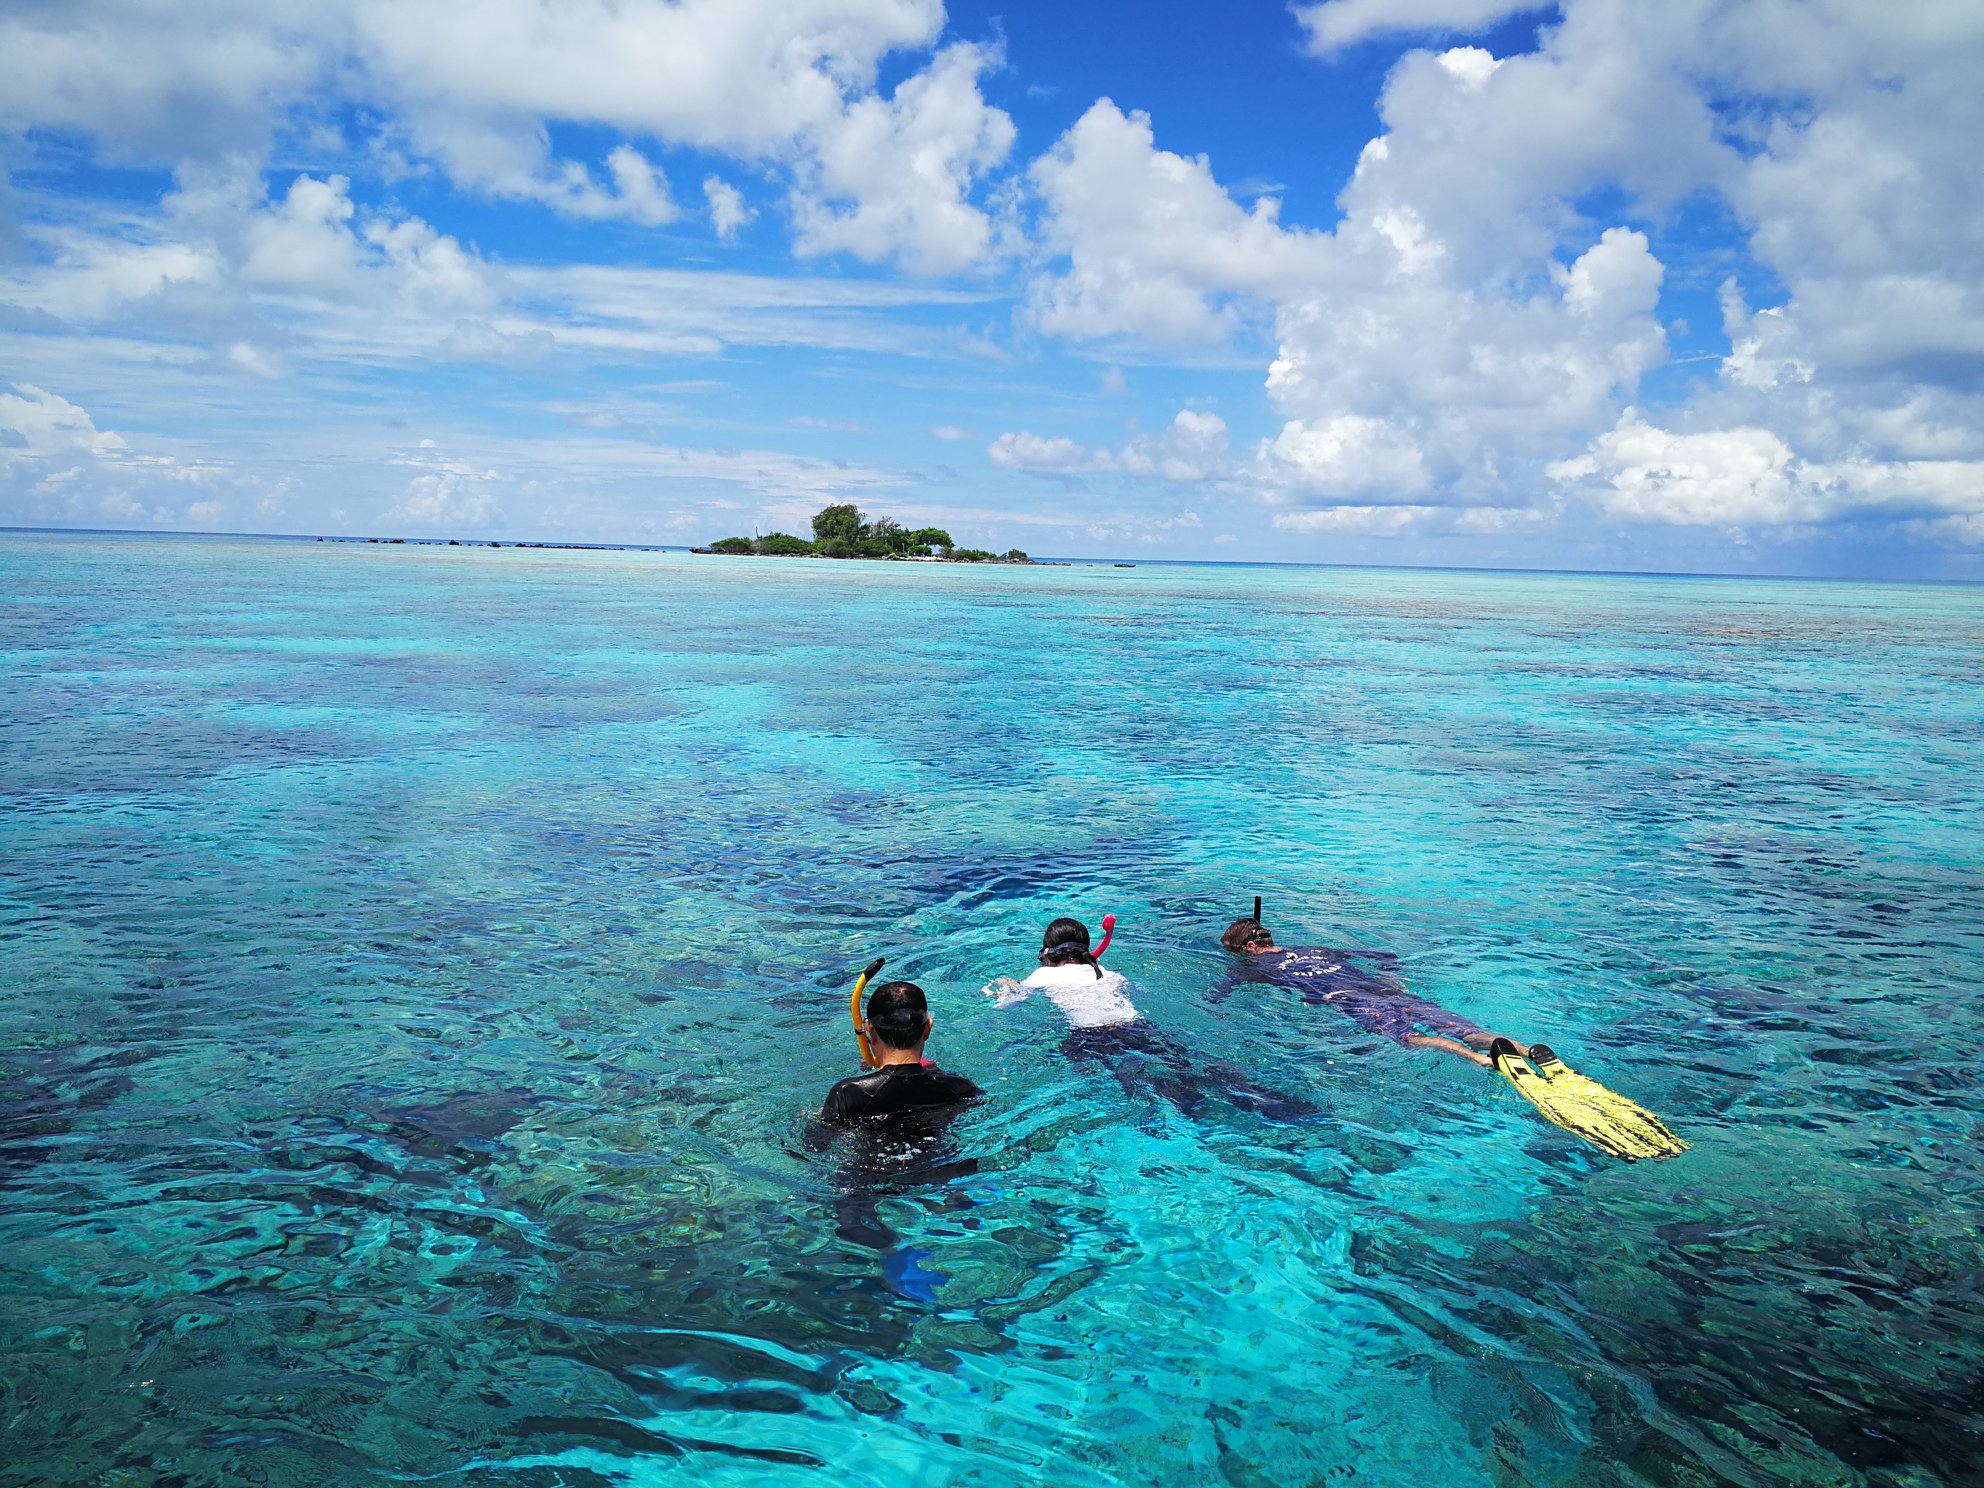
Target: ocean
column 421, row 964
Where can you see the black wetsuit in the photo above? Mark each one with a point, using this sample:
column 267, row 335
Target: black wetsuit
column 900, row 1114
column 1376, row 1003
column 893, row 1090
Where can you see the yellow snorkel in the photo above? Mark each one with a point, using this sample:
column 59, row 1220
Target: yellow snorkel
column 868, row 1059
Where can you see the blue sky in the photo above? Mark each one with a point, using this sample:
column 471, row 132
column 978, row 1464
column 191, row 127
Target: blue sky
column 1696, row 286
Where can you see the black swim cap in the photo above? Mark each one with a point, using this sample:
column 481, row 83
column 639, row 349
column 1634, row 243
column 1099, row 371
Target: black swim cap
column 1065, row 936
column 896, row 1011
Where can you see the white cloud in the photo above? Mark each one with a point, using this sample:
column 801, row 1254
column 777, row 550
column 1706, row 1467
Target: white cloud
column 1723, row 477
column 37, row 426
column 458, row 497
column 161, row 82
column 1192, row 448
column 1470, row 327
column 1336, row 24
column 1345, row 455
column 1047, row 455
column 784, row 81
column 1749, row 477
column 728, row 214
column 475, row 340
column 949, row 432
column 91, row 278
column 514, row 167
column 1371, row 521
column 1411, row 520
column 741, row 77
column 302, row 243
column 221, row 262
column 258, row 361
column 1155, row 248
column 890, row 180
column 57, row 465
column 1406, row 378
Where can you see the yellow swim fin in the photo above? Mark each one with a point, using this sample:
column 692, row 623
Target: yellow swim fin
column 1582, row 1106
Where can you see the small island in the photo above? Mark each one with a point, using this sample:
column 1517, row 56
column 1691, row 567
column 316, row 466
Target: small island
column 844, row 532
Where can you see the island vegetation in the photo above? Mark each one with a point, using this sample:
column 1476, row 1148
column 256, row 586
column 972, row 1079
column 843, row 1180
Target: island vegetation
column 844, row 532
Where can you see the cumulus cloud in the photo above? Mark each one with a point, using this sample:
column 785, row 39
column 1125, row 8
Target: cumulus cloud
column 41, row 427
column 456, row 496
column 1046, row 454
column 1156, row 249
column 57, row 464
column 728, row 214
column 1407, row 376
column 1470, row 339
column 784, row 81
column 890, row 179
column 1192, row 448
column 1336, row 24
column 303, row 243
column 1747, row 477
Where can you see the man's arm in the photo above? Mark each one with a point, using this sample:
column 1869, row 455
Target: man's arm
column 1237, row 972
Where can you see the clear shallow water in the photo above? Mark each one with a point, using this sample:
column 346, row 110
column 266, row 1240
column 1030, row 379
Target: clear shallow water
column 419, row 962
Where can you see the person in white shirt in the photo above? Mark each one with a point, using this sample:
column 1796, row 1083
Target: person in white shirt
column 1073, row 980
column 1104, row 1027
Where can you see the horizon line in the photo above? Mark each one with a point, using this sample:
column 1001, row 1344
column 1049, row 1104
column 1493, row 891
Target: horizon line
column 640, row 547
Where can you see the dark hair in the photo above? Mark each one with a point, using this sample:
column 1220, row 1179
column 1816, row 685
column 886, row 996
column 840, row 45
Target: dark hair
column 1066, row 941
column 896, row 1011
column 1242, row 933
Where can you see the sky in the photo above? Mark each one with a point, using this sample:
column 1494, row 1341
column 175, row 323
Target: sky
column 1695, row 286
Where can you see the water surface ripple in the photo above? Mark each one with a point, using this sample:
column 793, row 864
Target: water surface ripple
column 419, row 963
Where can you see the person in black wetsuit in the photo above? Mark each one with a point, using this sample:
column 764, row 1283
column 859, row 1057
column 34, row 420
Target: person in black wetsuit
column 1375, row 1001
column 899, row 1113
column 898, row 1024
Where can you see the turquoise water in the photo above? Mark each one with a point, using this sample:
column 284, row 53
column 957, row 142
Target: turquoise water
column 419, row 964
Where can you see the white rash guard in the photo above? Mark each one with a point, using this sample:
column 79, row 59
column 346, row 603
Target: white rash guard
column 1086, row 1000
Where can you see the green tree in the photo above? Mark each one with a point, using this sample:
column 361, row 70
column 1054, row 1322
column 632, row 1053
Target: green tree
column 782, row 545
column 1014, row 555
column 971, row 555
column 839, row 524
column 932, row 537
column 731, row 545
column 883, row 537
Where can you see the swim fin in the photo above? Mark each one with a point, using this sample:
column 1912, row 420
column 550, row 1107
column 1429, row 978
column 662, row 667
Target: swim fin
column 1582, row 1106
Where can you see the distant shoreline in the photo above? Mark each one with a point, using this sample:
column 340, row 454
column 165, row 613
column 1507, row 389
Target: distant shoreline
column 1886, row 581
column 905, row 558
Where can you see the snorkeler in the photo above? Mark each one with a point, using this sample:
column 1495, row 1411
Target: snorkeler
column 900, row 1110
column 1378, row 1003
column 1105, row 1027
column 896, row 1028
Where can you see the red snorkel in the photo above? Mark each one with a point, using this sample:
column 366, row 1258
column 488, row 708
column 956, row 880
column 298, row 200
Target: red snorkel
column 1108, row 929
